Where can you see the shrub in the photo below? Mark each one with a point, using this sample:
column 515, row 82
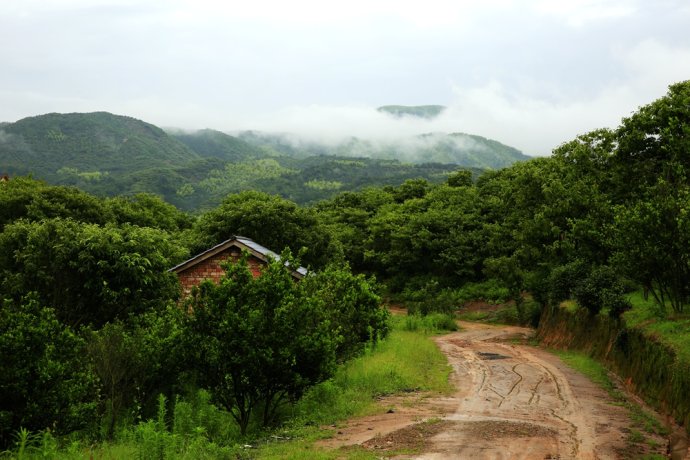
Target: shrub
column 491, row 291
column 602, row 287
column 563, row 279
column 45, row 381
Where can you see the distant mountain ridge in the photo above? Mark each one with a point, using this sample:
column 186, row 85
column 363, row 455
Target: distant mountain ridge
column 111, row 154
column 457, row 148
column 419, row 111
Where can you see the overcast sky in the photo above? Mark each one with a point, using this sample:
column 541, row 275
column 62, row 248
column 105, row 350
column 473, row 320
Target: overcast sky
column 531, row 74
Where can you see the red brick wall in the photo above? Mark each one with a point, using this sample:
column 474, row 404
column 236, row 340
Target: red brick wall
column 210, row 269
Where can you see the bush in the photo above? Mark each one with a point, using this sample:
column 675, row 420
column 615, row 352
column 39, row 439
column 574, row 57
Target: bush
column 601, row 288
column 490, row 291
column 563, row 279
column 45, row 381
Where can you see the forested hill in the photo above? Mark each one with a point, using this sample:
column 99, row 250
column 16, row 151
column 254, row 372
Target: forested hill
column 100, row 141
column 108, row 155
column 420, row 111
column 215, row 144
column 456, row 148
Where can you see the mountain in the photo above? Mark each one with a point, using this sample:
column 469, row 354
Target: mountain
column 420, row 111
column 215, row 144
column 97, row 142
column 108, row 154
column 457, row 148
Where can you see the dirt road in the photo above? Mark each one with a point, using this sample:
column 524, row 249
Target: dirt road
column 512, row 401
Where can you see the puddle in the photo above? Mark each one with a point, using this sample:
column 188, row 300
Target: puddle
column 491, row 356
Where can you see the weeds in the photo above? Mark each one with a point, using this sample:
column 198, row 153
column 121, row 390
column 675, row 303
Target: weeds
column 432, row 323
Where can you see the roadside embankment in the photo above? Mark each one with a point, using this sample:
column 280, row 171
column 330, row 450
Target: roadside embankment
column 650, row 368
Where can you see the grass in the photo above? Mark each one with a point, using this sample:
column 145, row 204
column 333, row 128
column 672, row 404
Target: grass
column 671, row 329
column 591, row 368
column 433, row 323
column 406, row 361
column 506, row 314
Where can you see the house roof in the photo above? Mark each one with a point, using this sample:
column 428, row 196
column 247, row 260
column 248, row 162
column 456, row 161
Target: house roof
column 241, row 242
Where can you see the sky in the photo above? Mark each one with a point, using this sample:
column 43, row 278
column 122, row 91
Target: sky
column 529, row 73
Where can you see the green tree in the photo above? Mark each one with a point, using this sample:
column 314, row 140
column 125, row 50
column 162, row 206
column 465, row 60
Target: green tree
column 88, row 273
column 601, row 288
column 259, row 342
column 269, row 220
column 652, row 243
column 137, row 360
column 653, row 143
column 351, row 305
column 347, row 218
column 146, row 210
column 45, row 382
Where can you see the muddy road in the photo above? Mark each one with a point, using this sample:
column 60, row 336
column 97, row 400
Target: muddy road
column 511, row 401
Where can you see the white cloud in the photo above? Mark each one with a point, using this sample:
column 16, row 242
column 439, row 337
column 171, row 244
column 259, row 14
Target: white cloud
column 578, row 13
column 529, row 73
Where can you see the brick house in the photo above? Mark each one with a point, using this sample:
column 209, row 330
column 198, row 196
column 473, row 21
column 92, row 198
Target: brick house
column 207, row 265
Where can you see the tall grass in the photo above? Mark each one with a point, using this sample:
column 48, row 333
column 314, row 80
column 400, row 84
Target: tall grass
column 433, row 323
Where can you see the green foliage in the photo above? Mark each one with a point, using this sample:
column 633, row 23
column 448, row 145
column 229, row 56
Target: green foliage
column 457, row 149
column 490, row 291
column 661, row 264
column 259, row 342
column 215, row 144
column 460, row 178
column 235, row 177
column 108, row 155
column 145, row 210
column 352, row 306
column 430, row 234
column 44, row 383
column 27, row 198
column 601, row 288
column 563, row 280
column 135, row 361
column 90, row 274
column 269, row 220
column 404, row 361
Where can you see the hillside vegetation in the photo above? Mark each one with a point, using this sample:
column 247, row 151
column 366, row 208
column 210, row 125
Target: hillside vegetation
column 111, row 155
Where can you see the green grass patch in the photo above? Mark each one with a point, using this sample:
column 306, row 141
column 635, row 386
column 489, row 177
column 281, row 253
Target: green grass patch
column 657, row 321
column 591, row 368
column 433, row 323
column 569, row 305
column 505, row 314
column 406, row 361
